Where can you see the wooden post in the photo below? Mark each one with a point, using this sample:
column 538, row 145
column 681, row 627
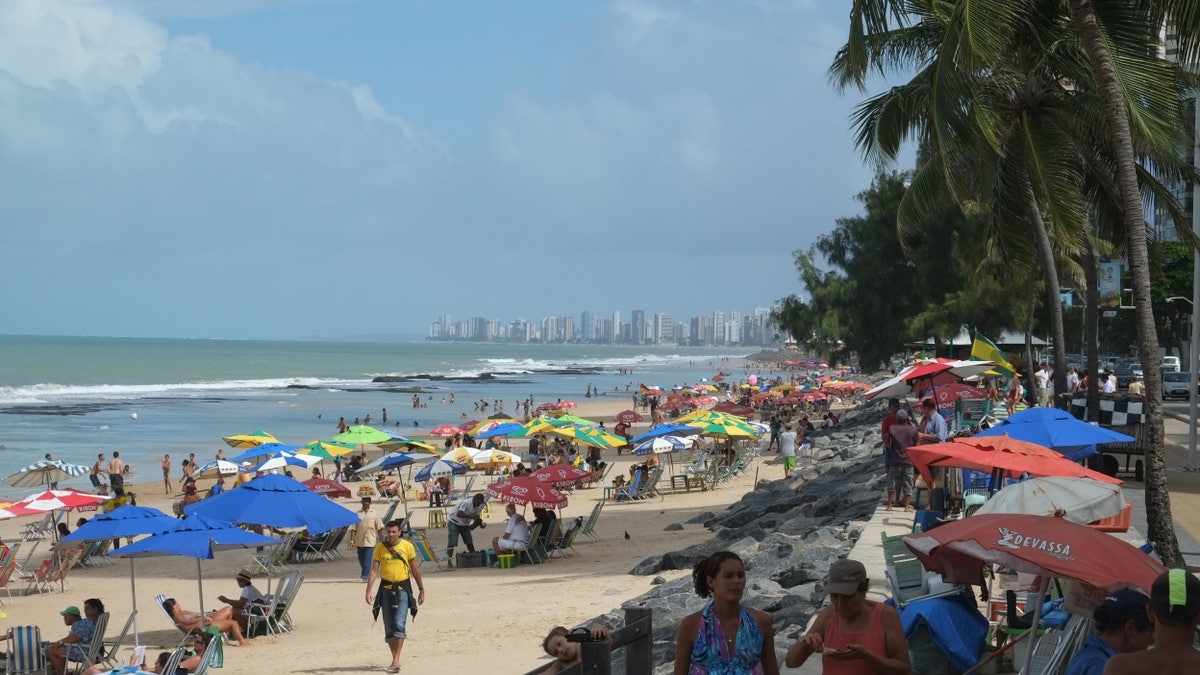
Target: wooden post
column 596, row 658
column 639, row 653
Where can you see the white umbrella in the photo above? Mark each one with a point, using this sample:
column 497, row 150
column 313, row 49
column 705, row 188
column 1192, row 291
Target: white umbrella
column 1082, row 499
column 284, row 459
column 218, row 468
column 494, row 456
column 45, row 472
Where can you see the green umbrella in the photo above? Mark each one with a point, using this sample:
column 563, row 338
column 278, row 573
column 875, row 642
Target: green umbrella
column 363, row 435
column 327, row 449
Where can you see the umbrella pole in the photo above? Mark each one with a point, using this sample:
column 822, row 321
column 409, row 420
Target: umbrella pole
column 133, row 596
column 1027, row 669
column 200, row 585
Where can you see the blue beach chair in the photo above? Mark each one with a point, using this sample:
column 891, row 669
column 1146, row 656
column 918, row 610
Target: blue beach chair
column 25, row 655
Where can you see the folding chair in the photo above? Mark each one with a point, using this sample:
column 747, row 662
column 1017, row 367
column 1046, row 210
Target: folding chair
column 35, row 581
column 174, row 660
column 531, row 553
column 589, row 526
column 95, row 647
column 214, row 655
column 25, row 655
column 421, row 543
column 108, row 653
column 6, row 577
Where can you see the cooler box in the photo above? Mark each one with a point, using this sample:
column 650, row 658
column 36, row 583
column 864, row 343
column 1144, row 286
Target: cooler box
column 506, row 561
column 1117, row 523
column 471, row 559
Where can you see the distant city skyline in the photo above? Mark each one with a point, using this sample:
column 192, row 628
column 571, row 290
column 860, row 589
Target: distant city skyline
column 715, row 328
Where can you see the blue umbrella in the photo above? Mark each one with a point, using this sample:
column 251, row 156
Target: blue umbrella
column 283, row 458
column 500, row 430
column 1058, row 430
column 124, row 521
column 442, row 467
column 276, row 501
column 661, row 445
column 198, row 537
column 666, row 429
column 264, row 450
column 393, row 460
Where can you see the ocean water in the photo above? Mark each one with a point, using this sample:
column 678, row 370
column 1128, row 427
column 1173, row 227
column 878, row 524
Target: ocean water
column 78, row 396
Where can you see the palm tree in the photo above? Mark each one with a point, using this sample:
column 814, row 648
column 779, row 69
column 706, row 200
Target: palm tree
column 1007, row 81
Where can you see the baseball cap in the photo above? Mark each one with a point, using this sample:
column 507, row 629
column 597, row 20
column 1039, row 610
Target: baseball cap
column 1121, row 606
column 1175, row 595
column 902, row 415
column 71, row 610
column 893, row 403
column 845, row 577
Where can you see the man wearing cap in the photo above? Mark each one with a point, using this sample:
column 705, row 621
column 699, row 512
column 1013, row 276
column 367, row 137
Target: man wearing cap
column 365, row 535
column 75, row 645
column 900, row 467
column 853, row 635
column 1174, row 610
column 245, row 603
column 1122, row 627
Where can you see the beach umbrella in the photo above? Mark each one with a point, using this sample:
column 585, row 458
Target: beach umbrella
column 661, row 445
column 198, row 537
column 401, row 443
column 930, row 372
column 527, row 491
column 326, row 449
column 45, row 472
column 250, row 440
column 489, row 424
column 1079, row 500
column 667, row 429
column 629, row 416
column 263, row 450
column 394, row 460
column 363, row 435
column 588, row 436
column 444, row 430
column 217, row 468
column 54, row 500
column 439, row 469
column 502, row 429
column 728, row 429
column 562, row 475
column 1056, row 429
column 998, row 453
column 1042, row 545
column 460, row 454
column 125, row 521
column 327, row 488
column 492, row 457
column 284, row 459
column 275, row 500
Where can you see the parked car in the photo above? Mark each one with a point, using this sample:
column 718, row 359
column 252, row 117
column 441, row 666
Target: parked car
column 1169, row 363
column 1175, row 384
column 1124, row 377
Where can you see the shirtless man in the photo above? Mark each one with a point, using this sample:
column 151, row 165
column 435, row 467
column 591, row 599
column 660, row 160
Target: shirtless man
column 1174, row 610
column 116, row 474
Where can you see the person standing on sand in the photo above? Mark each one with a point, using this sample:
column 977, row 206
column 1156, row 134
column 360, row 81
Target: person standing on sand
column 787, row 449
column 166, row 469
column 724, row 638
column 396, row 566
column 96, row 469
column 116, row 474
column 364, row 535
column 900, row 466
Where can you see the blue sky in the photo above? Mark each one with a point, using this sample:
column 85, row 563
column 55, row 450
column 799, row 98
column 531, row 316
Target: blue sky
column 280, row 168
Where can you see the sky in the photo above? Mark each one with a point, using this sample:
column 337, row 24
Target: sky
column 285, row 168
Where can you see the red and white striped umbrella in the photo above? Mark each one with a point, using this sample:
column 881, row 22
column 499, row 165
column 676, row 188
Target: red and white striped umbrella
column 53, row 500
column 562, row 475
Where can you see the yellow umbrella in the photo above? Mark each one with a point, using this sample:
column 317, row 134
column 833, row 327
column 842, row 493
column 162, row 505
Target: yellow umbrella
column 493, row 457
column 250, row 440
column 489, row 423
column 589, row 436
column 327, row 449
column 408, row 443
column 461, row 454
column 703, row 416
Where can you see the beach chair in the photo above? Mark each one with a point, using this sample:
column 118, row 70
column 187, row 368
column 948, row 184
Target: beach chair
column 589, row 526
column 6, row 576
column 173, row 661
column 187, row 632
column 563, row 542
column 691, row 476
column 38, row 529
column 65, row 562
column 629, row 492
column 530, row 554
column 649, row 488
column 25, row 655
column 461, row 494
column 34, row 581
column 273, row 618
column 273, row 561
column 27, row 551
column 390, row 513
column 421, row 543
column 108, row 653
column 95, row 647
column 214, row 655
column 288, row 597
column 906, row 574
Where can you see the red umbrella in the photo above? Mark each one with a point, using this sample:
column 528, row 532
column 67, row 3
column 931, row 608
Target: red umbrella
column 566, row 405
column 53, row 500
column 522, row 491
column 1042, row 545
column 734, row 409
column 629, row 416
column 329, row 488
column 468, row 425
column 445, row 430
column 985, row 453
column 562, row 475
column 934, row 372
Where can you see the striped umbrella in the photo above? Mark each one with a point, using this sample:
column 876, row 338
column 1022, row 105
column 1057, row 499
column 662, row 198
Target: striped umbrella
column 53, row 500
column 438, row 469
column 250, row 440
column 326, row 449
column 45, row 472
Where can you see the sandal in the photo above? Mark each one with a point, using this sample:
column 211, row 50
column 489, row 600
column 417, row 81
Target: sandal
column 392, row 669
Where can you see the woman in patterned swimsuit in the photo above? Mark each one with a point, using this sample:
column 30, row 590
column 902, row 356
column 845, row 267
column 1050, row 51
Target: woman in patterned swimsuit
column 724, row 638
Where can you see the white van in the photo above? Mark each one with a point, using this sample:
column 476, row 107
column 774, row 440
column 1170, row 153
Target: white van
column 1169, row 363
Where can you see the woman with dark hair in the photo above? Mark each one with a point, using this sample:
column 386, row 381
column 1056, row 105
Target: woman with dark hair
column 566, row 652
column 195, row 622
column 1122, row 627
column 724, row 638
column 853, row 635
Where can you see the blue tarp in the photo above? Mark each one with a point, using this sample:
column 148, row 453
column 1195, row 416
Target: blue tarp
column 957, row 627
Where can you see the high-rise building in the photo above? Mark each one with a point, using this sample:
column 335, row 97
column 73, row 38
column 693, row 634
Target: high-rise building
column 587, row 327
column 664, row 329
column 718, row 320
column 615, row 336
column 1186, row 193
column 637, row 326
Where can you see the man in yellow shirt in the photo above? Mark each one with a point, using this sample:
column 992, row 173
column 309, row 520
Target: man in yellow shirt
column 1136, row 387
column 396, row 566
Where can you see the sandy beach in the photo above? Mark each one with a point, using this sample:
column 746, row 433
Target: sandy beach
column 472, row 617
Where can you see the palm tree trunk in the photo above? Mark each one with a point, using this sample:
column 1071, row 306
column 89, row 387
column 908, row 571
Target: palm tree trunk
column 1053, row 290
column 1160, row 528
column 1091, row 328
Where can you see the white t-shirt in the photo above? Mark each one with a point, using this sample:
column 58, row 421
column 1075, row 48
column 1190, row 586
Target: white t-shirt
column 465, row 512
column 1042, row 377
column 518, row 529
column 1110, row 385
column 787, row 444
